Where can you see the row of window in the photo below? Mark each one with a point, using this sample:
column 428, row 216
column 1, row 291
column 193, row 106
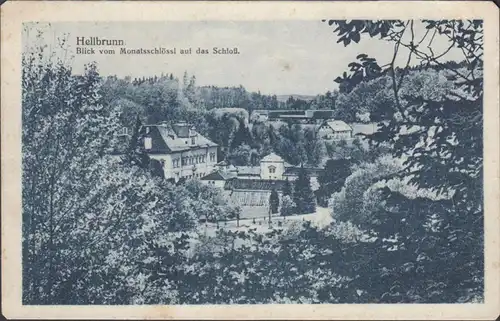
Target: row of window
column 197, row 159
column 195, row 175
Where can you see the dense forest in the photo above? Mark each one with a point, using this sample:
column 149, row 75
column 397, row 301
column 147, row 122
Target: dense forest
column 225, row 115
column 407, row 211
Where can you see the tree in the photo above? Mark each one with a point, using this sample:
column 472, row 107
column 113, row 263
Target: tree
column 350, row 198
column 134, row 153
column 274, row 201
column 88, row 217
column 242, row 135
column 287, row 206
column 287, row 188
column 303, row 195
column 438, row 130
column 241, row 155
column 333, row 179
column 314, row 148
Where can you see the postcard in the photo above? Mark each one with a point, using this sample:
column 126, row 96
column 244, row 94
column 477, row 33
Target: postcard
column 250, row 160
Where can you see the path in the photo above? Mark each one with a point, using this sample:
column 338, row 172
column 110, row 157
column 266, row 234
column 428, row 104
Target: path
column 320, row 218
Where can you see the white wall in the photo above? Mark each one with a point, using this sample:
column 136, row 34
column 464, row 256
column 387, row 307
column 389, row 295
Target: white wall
column 214, row 183
column 325, row 132
column 176, row 173
column 264, row 170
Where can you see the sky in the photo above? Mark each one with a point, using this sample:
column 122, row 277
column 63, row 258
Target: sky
column 276, row 57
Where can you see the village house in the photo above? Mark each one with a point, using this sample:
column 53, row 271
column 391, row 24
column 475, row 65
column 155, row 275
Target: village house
column 182, row 151
column 334, row 130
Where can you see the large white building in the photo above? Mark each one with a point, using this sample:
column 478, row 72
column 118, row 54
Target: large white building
column 182, row 151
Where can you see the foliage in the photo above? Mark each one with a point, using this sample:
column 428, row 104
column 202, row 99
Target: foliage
column 288, row 206
column 287, row 188
column 351, row 203
column 435, row 125
column 274, row 201
column 303, row 195
column 332, row 180
column 88, row 215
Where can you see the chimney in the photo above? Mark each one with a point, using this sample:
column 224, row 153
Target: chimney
column 147, row 143
column 192, row 135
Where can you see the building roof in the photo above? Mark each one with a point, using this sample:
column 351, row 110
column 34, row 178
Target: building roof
column 312, row 171
column 182, row 130
column 272, row 158
column 338, row 125
column 248, row 170
column 254, row 184
column 222, row 163
column 217, row 176
column 174, row 138
column 294, row 116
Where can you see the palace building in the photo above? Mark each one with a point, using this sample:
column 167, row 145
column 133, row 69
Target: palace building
column 182, row 151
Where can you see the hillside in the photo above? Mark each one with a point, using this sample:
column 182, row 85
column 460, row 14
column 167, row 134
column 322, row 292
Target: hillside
column 284, row 98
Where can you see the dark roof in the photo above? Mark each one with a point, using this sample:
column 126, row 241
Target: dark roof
column 181, row 130
column 306, row 114
column 248, row 170
column 217, row 176
column 254, row 184
column 164, row 139
column 294, row 171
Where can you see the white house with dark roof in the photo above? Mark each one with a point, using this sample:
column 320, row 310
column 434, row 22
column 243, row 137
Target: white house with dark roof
column 272, row 166
column 182, row 151
column 335, row 130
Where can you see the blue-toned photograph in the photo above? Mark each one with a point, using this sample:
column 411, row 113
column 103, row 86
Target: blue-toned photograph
column 252, row 162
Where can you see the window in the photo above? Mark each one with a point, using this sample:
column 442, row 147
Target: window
column 272, row 169
column 193, row 140
column 147, row 143
column 212, row 157
column 175, row 163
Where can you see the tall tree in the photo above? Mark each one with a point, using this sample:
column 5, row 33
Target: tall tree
column 274, row 201
column 242, row 135
column 287, row 188
column 303, row 195
column 134, row 153
column 333, row 178
column 287, row 206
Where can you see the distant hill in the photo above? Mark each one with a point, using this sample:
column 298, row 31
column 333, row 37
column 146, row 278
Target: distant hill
column 284, row 98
